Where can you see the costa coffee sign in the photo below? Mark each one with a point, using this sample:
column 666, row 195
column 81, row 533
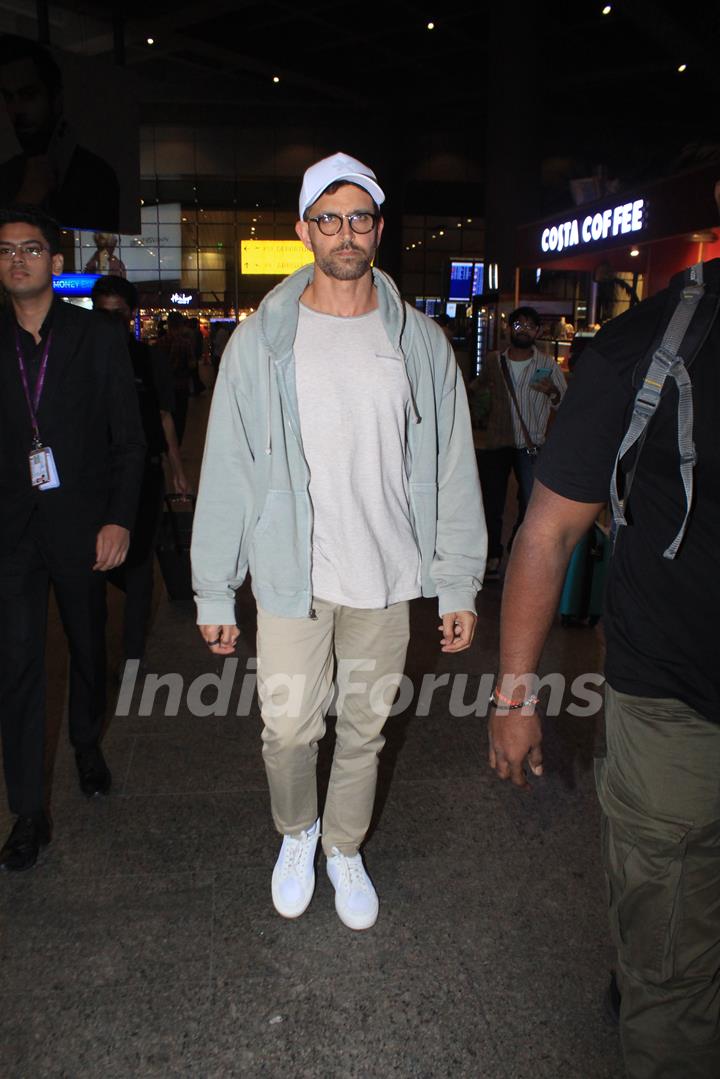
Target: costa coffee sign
column 627, row 218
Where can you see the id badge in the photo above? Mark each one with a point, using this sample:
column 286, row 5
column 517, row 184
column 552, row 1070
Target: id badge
column 53, row 479
column 39, row 466
column 43, row 473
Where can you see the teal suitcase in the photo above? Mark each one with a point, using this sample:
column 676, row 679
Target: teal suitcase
column 581, row 600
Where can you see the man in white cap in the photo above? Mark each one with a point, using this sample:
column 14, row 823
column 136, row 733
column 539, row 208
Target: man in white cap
column 339, row 469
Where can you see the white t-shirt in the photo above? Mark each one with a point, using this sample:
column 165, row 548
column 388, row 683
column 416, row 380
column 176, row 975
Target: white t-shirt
column 517, row 368
column 354, row 402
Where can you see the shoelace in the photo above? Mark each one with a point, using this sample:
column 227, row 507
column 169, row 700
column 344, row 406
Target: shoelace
column 353, row 873
column 296, row 855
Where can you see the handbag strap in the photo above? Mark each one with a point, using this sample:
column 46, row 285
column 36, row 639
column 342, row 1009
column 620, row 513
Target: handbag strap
column 529, row 444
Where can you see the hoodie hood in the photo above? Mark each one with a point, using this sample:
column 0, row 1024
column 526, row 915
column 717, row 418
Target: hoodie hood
column 278, row 311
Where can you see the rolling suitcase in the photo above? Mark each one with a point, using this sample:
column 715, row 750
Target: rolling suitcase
column 581, row 600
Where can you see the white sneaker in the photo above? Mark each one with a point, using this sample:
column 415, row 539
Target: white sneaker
column 293, row 879
column 356, row 900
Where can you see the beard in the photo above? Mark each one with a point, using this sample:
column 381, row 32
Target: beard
column 344, row 268
column 521, row 340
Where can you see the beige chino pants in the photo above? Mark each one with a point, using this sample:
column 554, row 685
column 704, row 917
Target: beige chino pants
column 296, row 668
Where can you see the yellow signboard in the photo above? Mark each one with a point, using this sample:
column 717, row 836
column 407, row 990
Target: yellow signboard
column 279, row 257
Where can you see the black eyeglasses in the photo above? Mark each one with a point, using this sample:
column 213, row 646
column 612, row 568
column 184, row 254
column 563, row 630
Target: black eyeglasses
column 524, row 324
column 33, row 251
column 331, row 224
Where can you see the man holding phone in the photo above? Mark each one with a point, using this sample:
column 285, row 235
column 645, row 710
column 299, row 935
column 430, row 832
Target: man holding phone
column 520, row 387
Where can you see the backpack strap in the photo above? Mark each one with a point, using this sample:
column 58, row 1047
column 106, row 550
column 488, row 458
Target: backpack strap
column 665, row 362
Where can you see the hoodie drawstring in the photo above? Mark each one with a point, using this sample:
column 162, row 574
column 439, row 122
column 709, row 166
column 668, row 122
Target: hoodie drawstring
column 268, row 415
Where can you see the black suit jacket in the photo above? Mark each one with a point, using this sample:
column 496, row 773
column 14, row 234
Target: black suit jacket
column 89, row 417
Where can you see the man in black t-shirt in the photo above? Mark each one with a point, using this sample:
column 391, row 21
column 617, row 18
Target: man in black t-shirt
column 659, row 784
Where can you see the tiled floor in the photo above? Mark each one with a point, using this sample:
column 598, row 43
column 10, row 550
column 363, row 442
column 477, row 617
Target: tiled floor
column 145, row 942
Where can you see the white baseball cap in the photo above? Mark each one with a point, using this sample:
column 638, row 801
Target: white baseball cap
column 332, row 169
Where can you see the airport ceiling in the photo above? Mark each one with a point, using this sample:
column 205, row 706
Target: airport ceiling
column 597, row 79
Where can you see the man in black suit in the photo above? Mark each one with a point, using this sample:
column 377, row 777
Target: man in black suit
column 71, row 462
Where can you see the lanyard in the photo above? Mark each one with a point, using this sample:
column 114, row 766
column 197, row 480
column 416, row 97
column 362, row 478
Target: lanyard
column 33, row 402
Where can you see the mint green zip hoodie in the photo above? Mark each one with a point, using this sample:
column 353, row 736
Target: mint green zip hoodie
column 254, row 510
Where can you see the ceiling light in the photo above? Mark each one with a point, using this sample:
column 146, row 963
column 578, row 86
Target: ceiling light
column 431, row 26
column 607, row 9
column 151, row 40
column 635, row 252
column 276, row 78
column 442, row 232
column 682, row 67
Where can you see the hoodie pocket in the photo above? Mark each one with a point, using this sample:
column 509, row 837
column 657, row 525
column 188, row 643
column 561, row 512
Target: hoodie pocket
column 279, row 554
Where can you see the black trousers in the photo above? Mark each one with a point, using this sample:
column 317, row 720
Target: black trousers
column 180, row 413
column 494, row 467
column 135, row 576
column 25, row 579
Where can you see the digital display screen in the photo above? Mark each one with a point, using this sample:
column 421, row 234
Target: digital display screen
column 74, row 284
column 461, row 279
column 467, row 279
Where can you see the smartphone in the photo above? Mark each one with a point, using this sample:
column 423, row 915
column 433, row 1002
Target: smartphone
column 540, row 374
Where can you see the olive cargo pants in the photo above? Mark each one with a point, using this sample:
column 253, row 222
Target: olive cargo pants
column 659, row 788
